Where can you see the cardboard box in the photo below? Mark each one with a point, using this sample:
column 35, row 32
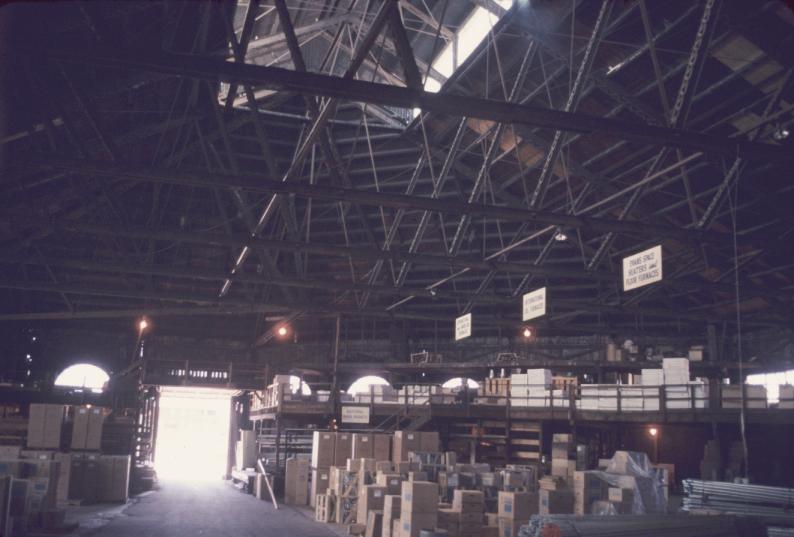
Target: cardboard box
column 517, row 505
column 468, row 501
column 384, row 466
column 87, row 427
column 296, row 481
column 323, row 445
column 449, row 520
column 391, row 480
column 45, row 423
column 370, row 498
column 563, row 468
column 412, row 523
column 418, row 497
column 404, row 441
column 320, row 480
column 84, row 477
column 114, row 478
column 64, row 461
column 429, row 442
column 362, row 446
column 361, row 465
column 554, row 502
column 509, row 527
column 381, row 447
column 10, row 452
column 417, row 476
column 489, row 531
column 588, row 487
column 620, row 495
column 343, row 448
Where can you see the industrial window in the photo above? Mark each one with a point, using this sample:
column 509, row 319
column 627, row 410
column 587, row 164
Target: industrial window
column 83, row 376
column 362, row 385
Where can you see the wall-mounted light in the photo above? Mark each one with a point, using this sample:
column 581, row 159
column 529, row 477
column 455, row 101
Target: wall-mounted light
column 527, row 333
column 653, row 431
column 143, row 324
column 282, row 331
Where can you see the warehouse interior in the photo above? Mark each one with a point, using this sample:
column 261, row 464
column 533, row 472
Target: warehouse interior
column 396, row 268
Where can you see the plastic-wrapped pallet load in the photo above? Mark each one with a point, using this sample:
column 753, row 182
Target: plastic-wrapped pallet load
column 626, row 470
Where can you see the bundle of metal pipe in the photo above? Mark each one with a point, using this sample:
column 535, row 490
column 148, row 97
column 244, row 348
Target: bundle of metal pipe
column 735, row 498
column 779, row 531
column 645, row 525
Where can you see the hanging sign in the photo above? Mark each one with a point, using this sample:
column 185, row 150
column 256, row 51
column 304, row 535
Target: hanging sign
column 642, row 269
column 534, row 304
column 463, row 327
column 355, row 414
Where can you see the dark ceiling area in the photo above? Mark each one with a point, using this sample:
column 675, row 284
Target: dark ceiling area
column 228, row 167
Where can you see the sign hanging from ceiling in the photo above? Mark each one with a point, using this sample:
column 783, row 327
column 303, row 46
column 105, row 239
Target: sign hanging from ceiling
column 642, row 269
column 463, row 327
column 355, row 414
column 534, row 304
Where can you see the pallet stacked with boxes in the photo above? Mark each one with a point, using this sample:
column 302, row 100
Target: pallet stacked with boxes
column 515, row 509
column 373, row 495
column 51, row 472
column 494, row 391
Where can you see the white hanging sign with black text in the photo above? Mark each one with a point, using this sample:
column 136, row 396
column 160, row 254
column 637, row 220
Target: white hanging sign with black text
column 534, row 304
column 642, row 269
column 463, row 327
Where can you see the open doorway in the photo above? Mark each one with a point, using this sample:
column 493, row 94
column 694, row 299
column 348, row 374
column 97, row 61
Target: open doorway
column 192, row 433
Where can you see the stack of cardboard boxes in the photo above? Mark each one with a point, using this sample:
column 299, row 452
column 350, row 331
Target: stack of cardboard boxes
column 245, row 450
column 296, row 481
column 323, row 457
column 754, row 396
column 418, row 508
column 563, row 456
column 533, row 389
column 87, row 428
column 45, row 424
column 515, row 509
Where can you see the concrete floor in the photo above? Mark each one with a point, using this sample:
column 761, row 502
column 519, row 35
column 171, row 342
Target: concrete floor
column 213, row 509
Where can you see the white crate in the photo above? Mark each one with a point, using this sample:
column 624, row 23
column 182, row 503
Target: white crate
column 652, row 377
column 541, row 377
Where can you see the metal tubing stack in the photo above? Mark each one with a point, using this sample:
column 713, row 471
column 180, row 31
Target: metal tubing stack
column 735, row 498
column 635, row 525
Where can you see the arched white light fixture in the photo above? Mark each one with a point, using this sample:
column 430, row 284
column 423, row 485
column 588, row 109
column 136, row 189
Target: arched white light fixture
column 457, row 382
column 362, row 385
column 85, row 376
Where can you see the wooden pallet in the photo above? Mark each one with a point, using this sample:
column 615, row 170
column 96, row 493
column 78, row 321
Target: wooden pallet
column 324, row 508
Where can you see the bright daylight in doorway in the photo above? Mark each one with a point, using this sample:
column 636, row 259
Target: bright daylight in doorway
column 192, row 434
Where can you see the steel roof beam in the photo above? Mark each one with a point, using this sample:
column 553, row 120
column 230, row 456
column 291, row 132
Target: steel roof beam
column 279, row 79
